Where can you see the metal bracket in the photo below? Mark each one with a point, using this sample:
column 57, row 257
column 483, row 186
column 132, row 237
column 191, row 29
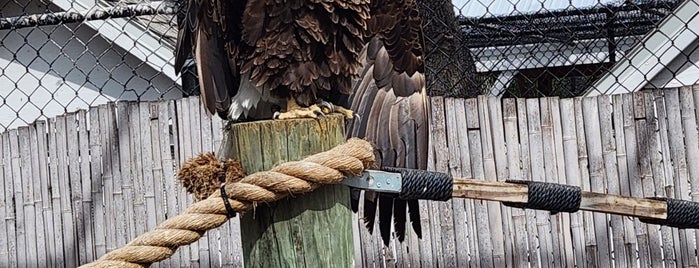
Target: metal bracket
column 377, row 181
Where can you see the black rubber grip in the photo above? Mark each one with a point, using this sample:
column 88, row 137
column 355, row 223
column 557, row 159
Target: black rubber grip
column 553, row 197
column 680, row 214
column 423, row 184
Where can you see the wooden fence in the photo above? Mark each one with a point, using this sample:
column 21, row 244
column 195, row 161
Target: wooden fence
column 85, row 183
column 88, row 182
column 642, row 144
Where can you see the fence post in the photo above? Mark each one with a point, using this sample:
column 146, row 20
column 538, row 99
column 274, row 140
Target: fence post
column 313, row 230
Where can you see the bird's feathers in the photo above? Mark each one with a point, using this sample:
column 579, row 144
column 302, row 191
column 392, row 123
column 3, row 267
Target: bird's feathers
column 390, row 98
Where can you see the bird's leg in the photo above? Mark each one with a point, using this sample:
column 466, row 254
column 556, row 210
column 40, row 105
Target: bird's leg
column 328, row 108
column 293, row 110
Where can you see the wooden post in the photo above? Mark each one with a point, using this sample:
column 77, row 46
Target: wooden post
column 313, row 230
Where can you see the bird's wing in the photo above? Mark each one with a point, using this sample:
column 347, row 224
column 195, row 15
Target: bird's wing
column 390, row 98
column 211, row 32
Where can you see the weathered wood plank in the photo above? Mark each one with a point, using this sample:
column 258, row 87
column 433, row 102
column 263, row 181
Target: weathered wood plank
column 9, row 217
column 137, row 185
column 159, row 208
column 146, row 159
column 470, row 218
column 209, row 251
column 85, row 189
column 519, row 220
column 572, row 176
column 490, row 173
column 446, row 218
column 611, row 175
column 4, row 210
column 55, row 193
column 200, row 248
column 648, row 148
column 70, row 242
column 35, row 179
column 690, row 120
column 634, row 175
column 598, row 182
column 662, row 174
column 26, row 202
column 128, row 176
column 690, row 114
column 113, row 199
column 629, row 235
column 75, row 188
column 18, row 197
column 591, row 252
column 564, row 233
column 686, row 246
column 536, row 155
column 645, row 138
column 168, row 139
column 550, row 171
column 96, row 180
column 485, row 246
column 530, row 216
column 455, row 109
column 500, row 155
column 439, row 235
column 454, row 168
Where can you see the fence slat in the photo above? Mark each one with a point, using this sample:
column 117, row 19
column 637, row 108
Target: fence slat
column 598, row 182
column 168, row 139
column 96, row 180
column 677, row 153
column 35, row 181
column 4, row 252
column 75, row 183
column 690, row 117
column 662, row 174
column 643, row 136
column 500, row 155
column 86, row 186
column 497, row 225
column 550, row 171
column 624, row 180
column 519, row 220
column 459, row 211
column 8, row 241
column 26, row 202
column 70, row 242
column 485, row 241
column 55, row 193
column 634, row 174
column 532, row 232
column 611, row 174
column 566, row 239
column 591, row 258
column 572, row 176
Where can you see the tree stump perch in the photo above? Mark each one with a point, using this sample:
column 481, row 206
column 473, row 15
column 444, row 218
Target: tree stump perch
column 313, row 230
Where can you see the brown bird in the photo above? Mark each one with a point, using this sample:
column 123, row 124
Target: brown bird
column 310, row 57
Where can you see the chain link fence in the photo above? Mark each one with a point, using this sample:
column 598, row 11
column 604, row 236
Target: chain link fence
column 62, row 55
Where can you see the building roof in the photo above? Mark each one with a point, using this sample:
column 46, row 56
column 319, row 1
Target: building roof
column 502, row 23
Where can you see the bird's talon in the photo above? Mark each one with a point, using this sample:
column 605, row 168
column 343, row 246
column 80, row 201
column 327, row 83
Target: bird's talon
column 320, row 114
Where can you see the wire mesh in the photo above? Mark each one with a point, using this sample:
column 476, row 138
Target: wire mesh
column 62, row 55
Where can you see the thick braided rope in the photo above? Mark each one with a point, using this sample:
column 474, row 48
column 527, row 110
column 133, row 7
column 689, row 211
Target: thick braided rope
column 291, row 178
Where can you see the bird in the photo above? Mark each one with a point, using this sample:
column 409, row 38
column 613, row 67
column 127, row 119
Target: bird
column 286, row 59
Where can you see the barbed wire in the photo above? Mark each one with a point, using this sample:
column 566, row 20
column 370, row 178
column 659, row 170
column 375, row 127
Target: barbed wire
column 72, row 54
